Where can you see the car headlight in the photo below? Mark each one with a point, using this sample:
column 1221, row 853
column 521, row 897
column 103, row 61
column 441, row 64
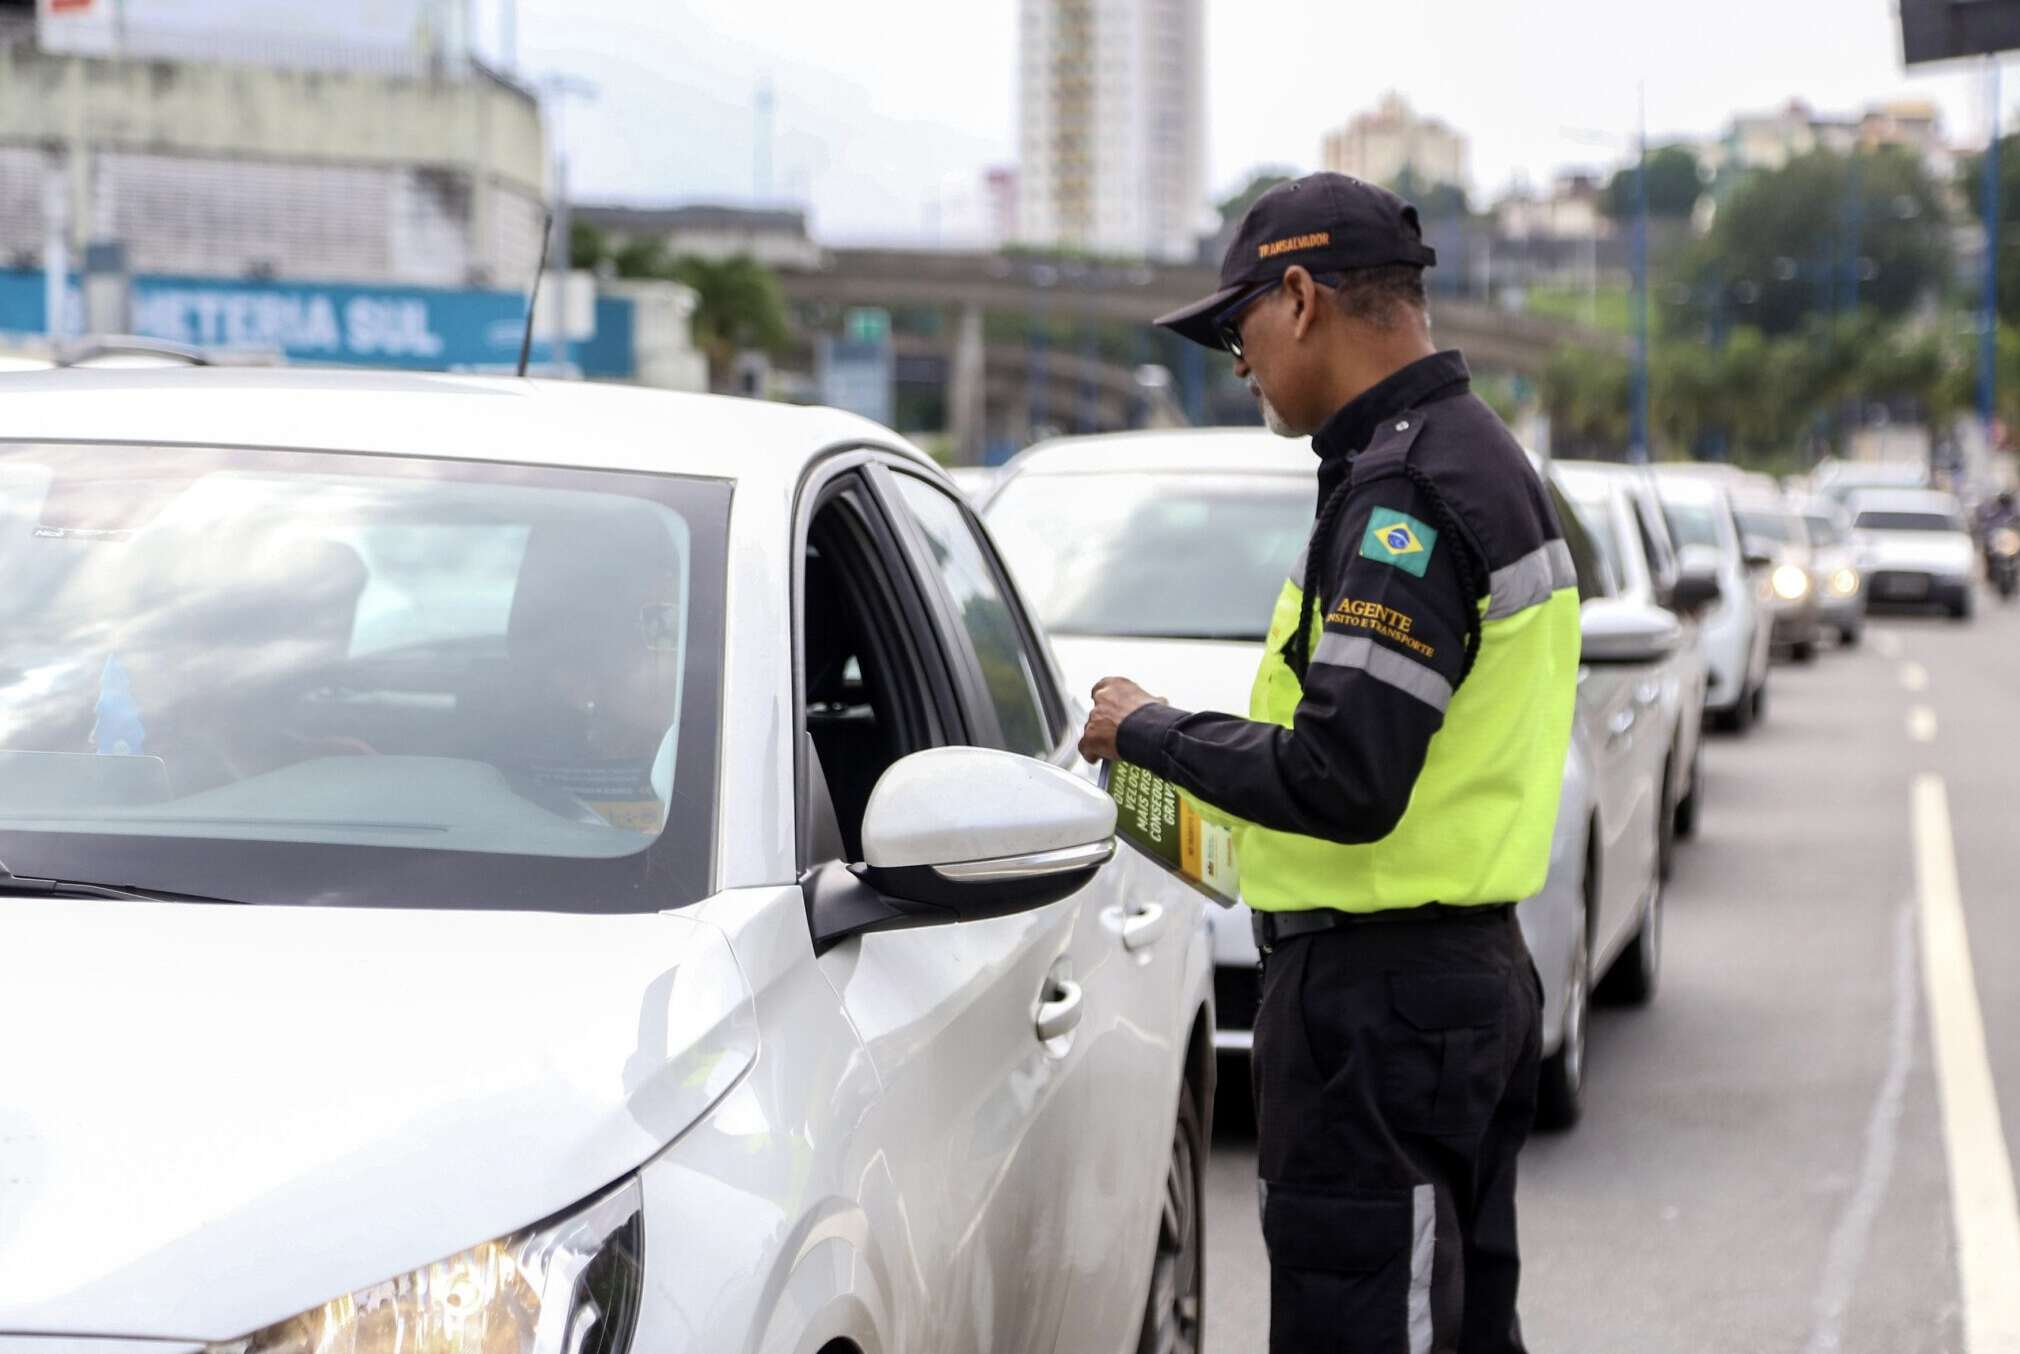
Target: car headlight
column 569, row 1285
column 1845, row 582
column 1791, row 583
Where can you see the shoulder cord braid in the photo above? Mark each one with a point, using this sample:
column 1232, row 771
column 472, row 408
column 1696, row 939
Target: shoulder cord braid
column 1297, row 649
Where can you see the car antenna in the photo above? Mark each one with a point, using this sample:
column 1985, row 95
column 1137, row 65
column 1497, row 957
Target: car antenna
column 533, row 293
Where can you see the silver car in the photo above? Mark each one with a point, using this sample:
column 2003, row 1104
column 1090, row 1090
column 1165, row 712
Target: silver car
column 1618, row 505
column 1835, row 574
column 1158, row 555
column 1735, row 632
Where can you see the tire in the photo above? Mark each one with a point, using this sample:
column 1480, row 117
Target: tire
column 1960, row 610
column 1759, row 704
column 1172, row 1308
column 1849, row 636
column 1804, row 651
column 1665, row 825
column 1686, row 807
column 1743, row 713
column 1560, row 1090
column 1632, row 979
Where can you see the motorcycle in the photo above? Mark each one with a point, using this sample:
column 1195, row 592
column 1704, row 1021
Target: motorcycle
column 2002, row 561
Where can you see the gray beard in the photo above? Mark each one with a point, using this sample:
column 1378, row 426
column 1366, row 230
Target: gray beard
column 1274, row 420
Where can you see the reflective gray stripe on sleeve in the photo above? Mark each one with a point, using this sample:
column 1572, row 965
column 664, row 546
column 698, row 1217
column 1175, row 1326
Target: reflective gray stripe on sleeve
column 1423, row 1250
column 1298, row 569
column 1384, row 665
column 1529, row 581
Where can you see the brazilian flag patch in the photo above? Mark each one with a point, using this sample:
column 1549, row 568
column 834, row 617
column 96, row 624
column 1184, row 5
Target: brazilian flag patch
column 1399, row 539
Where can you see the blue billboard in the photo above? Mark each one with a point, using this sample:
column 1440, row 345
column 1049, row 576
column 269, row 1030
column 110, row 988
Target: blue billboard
column 418, row 328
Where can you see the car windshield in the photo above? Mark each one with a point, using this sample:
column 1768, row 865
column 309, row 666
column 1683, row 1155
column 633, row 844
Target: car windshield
column 1823, row 530
column 1880, row 520
column 308, row 678
column 1770, row 526
column 1692, row 523
column 1153, row 555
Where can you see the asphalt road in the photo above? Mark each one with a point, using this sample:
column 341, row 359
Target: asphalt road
column 1766, row 1162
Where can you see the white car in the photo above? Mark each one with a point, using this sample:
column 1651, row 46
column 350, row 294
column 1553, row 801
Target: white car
column 1915, row 548
column 1735, row 631
column 1834, row 569
column 570, row 870
column 1159, row 555
column 1619, row 507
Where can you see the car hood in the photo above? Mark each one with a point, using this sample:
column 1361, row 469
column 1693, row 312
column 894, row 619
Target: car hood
column 214, row 1117
column 1193, row 674
column 1935, row 550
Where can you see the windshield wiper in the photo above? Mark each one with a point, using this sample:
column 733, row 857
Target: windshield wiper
column 30, row 887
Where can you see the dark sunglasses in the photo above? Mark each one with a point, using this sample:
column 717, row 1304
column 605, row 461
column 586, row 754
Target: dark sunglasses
column 1227, row 325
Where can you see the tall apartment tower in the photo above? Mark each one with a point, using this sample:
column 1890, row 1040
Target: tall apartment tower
column 1112, row 125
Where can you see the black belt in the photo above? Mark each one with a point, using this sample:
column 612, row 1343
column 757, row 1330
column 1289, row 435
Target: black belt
column 1272, row 929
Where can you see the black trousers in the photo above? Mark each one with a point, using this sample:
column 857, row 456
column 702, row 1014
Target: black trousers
column 1395, row 1083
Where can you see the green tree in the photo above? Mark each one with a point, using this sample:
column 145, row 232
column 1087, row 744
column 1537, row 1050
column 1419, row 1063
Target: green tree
column 1585, row 393
column 1823, row 235
column 1260, row 181
column 587, row 246
column 1674, row 186
column 1971, row 181
column 1434, row 201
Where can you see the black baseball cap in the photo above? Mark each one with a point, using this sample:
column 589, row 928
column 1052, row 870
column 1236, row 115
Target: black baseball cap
column 1329, row 223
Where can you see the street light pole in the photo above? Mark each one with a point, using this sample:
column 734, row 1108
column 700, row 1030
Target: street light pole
column 1637, row 450
column 1988, row 321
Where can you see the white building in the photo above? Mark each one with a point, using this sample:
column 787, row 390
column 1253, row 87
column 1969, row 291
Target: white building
column 215, row 138
column 1571, row 210
column 1382, row 145
column 1112, row 126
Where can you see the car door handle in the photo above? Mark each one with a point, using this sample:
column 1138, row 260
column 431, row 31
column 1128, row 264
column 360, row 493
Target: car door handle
column 1061, row 1011
column 1144, row 926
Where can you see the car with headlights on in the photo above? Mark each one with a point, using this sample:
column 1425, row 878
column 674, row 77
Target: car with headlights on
column 1915, row 549
column 1834, row 570
column 1735, row 632
column 1774, row 532
column 1158, row 555
column 518, row 866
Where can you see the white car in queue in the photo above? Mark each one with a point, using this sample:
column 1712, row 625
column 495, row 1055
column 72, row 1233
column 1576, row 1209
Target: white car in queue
column 1158, row 556
column 1736, row 633
column 513, row 866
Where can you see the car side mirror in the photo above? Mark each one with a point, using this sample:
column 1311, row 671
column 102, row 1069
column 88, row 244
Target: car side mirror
column 1758, row 556
column 1697, row 591
column 961, row 834
column 1616, row 630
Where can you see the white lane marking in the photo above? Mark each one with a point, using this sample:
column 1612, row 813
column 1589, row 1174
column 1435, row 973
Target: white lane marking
column 1886, row 644
column 1847, row 1253
column 1922, row 724
column 1982, row 1205
column 1914, row 676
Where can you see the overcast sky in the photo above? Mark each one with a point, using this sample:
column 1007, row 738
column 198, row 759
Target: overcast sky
column 886, row 111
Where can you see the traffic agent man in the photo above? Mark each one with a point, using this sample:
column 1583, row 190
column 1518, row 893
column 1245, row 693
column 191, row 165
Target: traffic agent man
column 1393, row 790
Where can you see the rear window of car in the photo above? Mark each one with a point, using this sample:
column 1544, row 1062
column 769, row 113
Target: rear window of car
column 1692, row 523
column 1881, row 520
column 1163, row 556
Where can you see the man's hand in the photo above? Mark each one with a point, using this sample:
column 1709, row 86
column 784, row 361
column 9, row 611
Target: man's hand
column 1115, row 699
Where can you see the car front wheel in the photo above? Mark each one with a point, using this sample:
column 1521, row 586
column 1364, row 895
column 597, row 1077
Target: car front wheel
column 1561, row 1089
column 1171, row 1316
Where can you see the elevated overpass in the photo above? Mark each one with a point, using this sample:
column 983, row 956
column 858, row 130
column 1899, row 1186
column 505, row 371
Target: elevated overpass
column 986, row 382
